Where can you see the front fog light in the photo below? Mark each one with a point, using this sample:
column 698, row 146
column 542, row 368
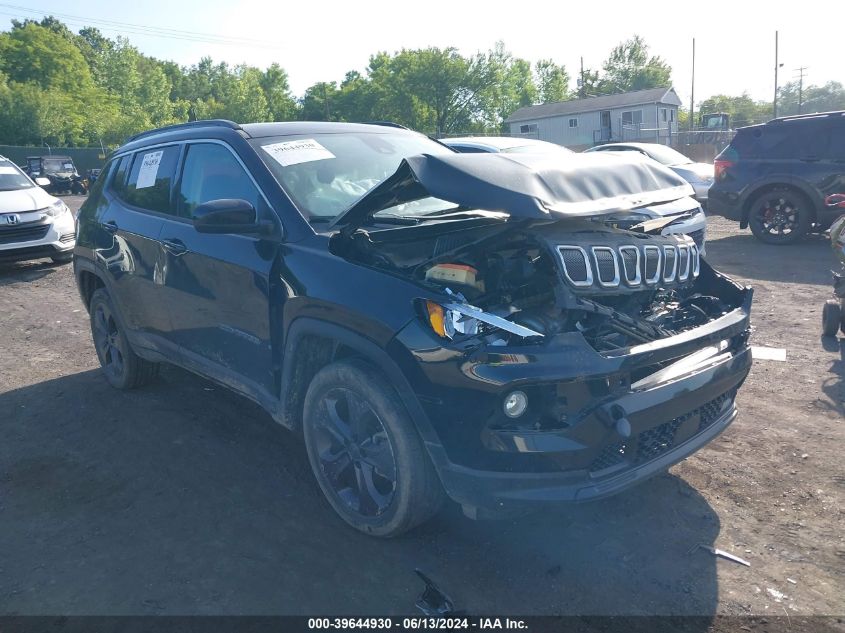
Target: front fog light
column 516, row 402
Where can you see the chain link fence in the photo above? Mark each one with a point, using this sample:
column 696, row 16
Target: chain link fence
column 84, row 158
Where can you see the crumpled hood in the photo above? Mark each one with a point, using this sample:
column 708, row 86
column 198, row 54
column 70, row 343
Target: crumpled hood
column 524, row 185
column 23, row 200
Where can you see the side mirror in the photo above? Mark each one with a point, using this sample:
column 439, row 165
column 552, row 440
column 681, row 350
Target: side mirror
column 228, row 216
column 42, row 182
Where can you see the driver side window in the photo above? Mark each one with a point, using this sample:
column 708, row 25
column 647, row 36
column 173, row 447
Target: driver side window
column 211, row 172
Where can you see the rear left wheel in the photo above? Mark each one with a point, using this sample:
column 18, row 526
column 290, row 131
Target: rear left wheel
column 780, row 216
column 123, row 368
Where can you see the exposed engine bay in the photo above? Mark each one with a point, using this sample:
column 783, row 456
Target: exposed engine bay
column 519, row 283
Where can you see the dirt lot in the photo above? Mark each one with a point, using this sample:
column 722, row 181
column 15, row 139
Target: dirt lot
column 182, row 498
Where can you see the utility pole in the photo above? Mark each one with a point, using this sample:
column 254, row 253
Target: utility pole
column 583, row 91
column 800, row 72
column 692, row 91
column 775, row 101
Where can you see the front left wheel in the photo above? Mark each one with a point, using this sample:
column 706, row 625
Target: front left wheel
column 63, row 258
column 365, row 452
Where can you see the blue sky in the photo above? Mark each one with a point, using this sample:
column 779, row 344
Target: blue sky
column 320, row 41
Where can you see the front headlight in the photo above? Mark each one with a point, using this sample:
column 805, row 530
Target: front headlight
column 452, row 320
column 57, row 209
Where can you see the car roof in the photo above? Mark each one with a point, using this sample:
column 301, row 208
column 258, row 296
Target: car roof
column 59, row 156
column 495, row 143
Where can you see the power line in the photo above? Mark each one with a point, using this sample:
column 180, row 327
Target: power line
column 141, row 29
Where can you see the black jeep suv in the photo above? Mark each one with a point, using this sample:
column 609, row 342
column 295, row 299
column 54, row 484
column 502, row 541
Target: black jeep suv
column 434, row 324
column 774, row 177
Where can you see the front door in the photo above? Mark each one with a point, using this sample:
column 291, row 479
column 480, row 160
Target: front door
column 606, row 132
column 217, row 287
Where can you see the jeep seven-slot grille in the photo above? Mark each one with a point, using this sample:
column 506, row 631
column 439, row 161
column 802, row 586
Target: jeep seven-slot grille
column 609, row 267
column 656, row 441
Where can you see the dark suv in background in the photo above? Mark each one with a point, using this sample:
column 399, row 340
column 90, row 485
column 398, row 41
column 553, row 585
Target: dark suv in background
column 433, row 323
column 774, row 177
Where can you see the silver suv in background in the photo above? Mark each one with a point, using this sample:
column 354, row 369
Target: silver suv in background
column 33, row 224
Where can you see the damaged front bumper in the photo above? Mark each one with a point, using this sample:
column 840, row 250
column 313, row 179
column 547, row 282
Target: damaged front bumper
column 596, row 423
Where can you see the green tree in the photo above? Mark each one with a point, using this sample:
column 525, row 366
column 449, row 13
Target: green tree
column 511, row 86
column 280, row 102
column 830, row 96
column 743, row 109
column 36, row 54
column 629, row 67
column 552, row 81
column 320, row 103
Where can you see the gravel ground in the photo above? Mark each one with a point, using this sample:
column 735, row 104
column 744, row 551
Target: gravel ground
column 182, row 498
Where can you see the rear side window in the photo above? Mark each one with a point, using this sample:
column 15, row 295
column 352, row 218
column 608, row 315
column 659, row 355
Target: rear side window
column 837, row 139
column 150, row 178
column 787, row 140
column 211, row 172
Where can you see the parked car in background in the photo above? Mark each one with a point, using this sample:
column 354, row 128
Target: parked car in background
column 435, row 324
column 774, row 177
column 699, row 175
column 508, row 144
column 691, row 218
column 33, row 224
column 59, row 170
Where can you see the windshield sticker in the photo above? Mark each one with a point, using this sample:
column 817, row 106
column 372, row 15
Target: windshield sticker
column 8, row 170
column 295, row 152
column 149, row 170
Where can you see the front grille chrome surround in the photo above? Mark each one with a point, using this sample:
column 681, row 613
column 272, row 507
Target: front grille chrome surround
column 670, row 263
column 654, row 255
column 575, row 278
column 630, row 266
column 602, row 255
column 683, row 262
column 636, row 278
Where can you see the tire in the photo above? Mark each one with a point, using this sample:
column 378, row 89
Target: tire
column 780, row 216
column 123, row 368
column 64, row 258
column 365, row 452
column 832, row 318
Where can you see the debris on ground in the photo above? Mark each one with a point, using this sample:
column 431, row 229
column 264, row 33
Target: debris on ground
column 723, row 554
column 432, row 601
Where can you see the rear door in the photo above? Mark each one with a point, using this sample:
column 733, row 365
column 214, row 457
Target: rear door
column 140, row 194
column 217, row 287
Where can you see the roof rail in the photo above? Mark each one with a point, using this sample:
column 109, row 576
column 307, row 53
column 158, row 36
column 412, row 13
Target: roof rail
column 388, row 124
column 186, row 126
column 809, row 115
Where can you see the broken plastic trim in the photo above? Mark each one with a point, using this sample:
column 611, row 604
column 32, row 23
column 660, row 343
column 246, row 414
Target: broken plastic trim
column 491, row 319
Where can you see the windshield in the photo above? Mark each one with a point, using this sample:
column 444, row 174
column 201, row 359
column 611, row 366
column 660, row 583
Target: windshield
column 666, row 155
column 324, row 174
column 57, row 165
column 12, row 178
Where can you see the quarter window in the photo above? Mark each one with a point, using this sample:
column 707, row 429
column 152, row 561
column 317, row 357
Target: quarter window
column 211, row 172
column 150, row 179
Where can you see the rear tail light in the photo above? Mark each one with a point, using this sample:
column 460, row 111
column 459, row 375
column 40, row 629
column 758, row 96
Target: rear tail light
column 720, row 168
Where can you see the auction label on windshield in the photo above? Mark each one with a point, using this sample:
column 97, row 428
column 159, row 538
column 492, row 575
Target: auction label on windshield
column 149, row 170
column 295, row 152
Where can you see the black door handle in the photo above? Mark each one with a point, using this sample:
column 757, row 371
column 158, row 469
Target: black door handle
column 175, row 246
column 110, row 226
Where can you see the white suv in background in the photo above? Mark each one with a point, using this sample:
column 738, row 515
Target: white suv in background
column 33, row 224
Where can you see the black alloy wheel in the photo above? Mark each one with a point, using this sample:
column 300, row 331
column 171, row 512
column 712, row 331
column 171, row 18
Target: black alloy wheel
column 780, row 216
